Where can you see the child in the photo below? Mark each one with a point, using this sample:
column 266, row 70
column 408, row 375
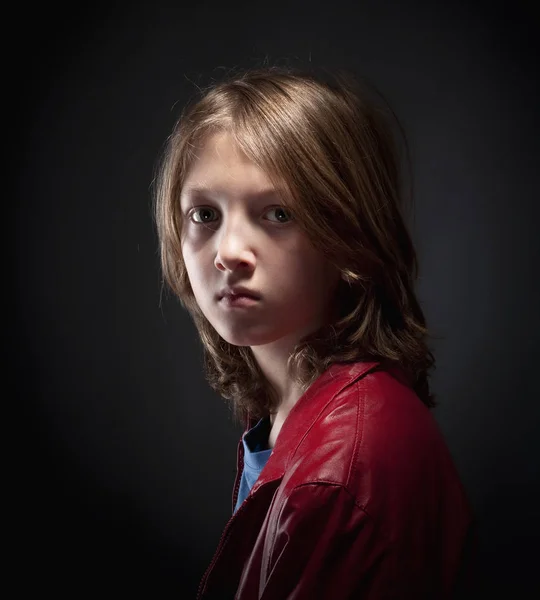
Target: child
column 279, row 211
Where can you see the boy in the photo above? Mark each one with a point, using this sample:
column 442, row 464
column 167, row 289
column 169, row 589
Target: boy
column 279, row 214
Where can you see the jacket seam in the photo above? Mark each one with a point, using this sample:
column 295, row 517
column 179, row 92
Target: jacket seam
column 328, row 483
column 358, row 433
column 306, row 433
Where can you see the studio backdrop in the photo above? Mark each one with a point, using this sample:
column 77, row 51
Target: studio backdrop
column 124, row 457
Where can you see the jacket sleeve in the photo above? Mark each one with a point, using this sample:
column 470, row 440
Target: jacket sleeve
column 322, row 545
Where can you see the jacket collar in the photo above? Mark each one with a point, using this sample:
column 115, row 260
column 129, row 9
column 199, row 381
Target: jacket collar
column 305, row 412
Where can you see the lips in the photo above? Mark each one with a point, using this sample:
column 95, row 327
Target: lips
column 234, row 296
column 238, row 301
column 237, row 292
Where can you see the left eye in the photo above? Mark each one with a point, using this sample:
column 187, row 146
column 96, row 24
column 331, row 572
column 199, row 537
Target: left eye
column 202, row 215
column 282, row 214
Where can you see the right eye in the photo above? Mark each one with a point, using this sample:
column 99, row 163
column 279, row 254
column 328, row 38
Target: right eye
column 204, row 215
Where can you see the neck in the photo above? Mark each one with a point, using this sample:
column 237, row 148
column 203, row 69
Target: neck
column 272, row 359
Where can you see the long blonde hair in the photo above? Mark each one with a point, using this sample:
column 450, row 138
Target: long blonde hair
column 329, row 144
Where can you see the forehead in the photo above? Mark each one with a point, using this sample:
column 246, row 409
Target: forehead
column 221, row 168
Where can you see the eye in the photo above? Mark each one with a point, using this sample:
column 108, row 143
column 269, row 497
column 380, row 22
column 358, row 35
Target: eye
column 283, row 215
column 205, row 215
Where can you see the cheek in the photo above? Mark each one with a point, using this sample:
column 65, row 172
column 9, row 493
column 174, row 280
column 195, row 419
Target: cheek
column 308, row 265
column 319, row 278
column 194, row 270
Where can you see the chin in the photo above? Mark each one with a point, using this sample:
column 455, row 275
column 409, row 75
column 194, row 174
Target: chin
column 243, row 338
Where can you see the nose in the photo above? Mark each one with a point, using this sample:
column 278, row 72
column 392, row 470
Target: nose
column 235, row 247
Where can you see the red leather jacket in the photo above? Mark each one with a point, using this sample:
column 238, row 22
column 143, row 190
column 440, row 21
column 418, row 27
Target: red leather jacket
column 359, row 499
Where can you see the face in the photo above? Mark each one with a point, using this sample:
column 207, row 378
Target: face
column 238, row 233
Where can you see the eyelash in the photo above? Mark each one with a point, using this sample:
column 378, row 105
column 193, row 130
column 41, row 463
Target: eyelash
column 195, row 210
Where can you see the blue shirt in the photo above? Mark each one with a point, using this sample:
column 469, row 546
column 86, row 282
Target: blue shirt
column 256, row 454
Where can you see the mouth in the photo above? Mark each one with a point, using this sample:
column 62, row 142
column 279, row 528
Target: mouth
column 238, row 292
column 238, row 300
column 240, row 295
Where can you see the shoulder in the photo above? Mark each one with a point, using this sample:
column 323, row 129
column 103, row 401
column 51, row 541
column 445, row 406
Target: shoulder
column 372, row 436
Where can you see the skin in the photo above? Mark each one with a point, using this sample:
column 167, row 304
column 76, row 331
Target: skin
column 247, row 239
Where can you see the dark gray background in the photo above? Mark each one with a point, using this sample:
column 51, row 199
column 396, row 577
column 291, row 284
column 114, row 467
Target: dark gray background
column 124, row 457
